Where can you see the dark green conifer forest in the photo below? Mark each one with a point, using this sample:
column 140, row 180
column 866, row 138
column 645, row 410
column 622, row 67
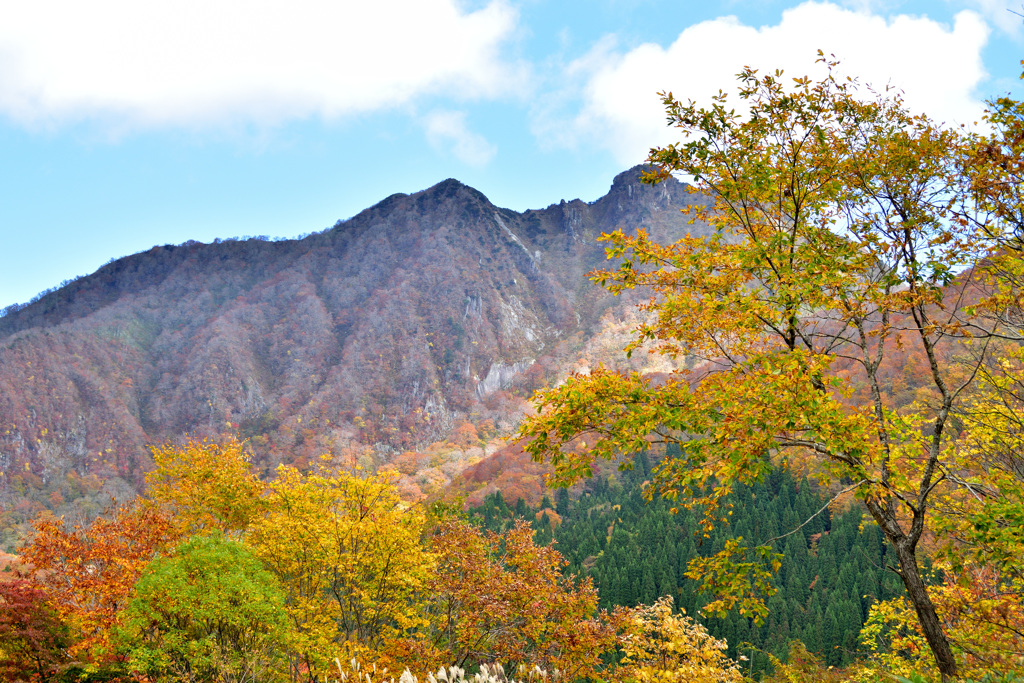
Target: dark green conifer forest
column 833, row 569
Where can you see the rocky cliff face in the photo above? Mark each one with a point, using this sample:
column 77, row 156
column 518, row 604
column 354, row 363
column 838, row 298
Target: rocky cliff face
column 386, row 331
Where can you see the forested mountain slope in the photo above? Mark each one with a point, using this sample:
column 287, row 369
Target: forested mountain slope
column 383, row 333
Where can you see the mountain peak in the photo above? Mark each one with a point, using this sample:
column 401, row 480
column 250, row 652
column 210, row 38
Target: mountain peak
column 447, row 185
column 452, row 188
column 631, row 176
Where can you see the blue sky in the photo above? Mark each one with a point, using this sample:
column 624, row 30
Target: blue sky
column 130, row 123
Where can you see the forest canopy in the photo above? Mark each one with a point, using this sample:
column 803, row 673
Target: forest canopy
column 286, row 579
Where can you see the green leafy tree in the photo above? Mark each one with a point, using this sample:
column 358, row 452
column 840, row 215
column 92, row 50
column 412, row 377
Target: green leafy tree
column 840, row 222
column 208, row 612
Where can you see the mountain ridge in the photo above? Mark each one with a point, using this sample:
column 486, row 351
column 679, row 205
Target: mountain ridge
column 381, row 334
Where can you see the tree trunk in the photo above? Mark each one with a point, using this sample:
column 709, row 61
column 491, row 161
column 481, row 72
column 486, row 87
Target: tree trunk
column 918, row 593
column 905, row 545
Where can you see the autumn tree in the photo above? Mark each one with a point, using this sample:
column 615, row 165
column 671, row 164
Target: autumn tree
column 347, row 552
column 89, row 573
column 33, row 640
column 204, row 486
column 980, row 534
column 841, row 224
column 981, row 595
column 660, row 644
column 501, row 597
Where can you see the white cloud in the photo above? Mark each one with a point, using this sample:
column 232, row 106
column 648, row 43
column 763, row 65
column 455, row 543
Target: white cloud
column 938, row 67
column 200, row 62
column 447, row 130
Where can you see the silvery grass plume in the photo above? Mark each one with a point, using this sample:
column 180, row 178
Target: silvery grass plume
column 493, row 673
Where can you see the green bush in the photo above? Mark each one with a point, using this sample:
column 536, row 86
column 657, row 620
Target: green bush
column 209, row 612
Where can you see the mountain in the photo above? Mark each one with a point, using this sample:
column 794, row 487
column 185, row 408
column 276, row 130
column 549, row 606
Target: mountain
column 423, row 315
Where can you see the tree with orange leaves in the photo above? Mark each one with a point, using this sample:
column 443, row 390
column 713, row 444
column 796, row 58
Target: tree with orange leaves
column 89, row 573
column 501, row 597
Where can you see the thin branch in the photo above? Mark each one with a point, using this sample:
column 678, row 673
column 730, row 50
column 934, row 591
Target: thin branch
column 825, row 507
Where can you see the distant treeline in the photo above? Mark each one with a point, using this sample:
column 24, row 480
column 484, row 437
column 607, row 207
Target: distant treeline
column 14, row 308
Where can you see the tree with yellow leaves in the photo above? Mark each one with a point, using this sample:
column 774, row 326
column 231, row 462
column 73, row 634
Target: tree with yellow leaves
column 660, row 645
column 842, row 226
column 205, row 486
column 347, row 551
column 980, row 540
